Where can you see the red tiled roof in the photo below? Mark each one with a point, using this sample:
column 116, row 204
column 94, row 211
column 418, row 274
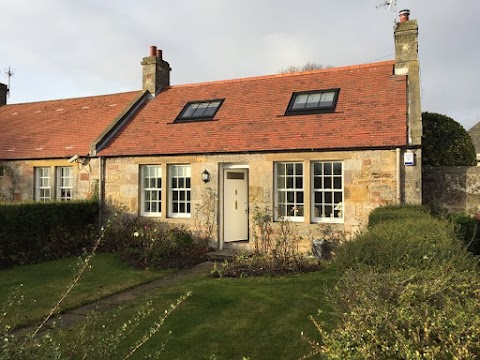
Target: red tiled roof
column 371, row 112
column 58, row 128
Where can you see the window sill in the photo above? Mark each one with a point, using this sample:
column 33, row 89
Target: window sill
column 151, row 214
column 291, row 219
column 180, row 216
column 328, row 220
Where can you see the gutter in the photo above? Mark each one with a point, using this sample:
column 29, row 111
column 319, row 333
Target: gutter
column 399, row 174
column 101, row 190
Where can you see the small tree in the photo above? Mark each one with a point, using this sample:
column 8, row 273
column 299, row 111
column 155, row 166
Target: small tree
column 446, row 142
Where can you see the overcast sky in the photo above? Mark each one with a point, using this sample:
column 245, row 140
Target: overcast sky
column 62, row 49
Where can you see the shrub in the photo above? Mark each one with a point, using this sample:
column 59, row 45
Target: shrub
column 259, row 265
column 396, row 212
column 96, row 338
column 466, row 228
column 409, row 290
column 404, row 314
column 409, row 243
column 144, row 243
column 34, row 232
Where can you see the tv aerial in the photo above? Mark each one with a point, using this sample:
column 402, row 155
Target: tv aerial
column 9, row 73
column 390, row 5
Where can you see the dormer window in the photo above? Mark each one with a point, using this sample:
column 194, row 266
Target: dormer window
column 200, row 110
column 311, row 102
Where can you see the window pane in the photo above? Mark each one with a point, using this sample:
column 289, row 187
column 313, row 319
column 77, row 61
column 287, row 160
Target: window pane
column 337, row 183
column 327, row 183
column 299, row 197
column 328, row 211
column 281, row 169
column 289, row 183
column 313, row 100
column 299, row 211
column 290, row 197
column 327, row 99
column 299, row 169
column 328, row 198
column 190, row 110
column 298, row 183
column 200, row 110
column 337, row 197
column 317, row 182
column 290, row 169
column 300, row 101
column 318, row 168
column 328, row 168
column 337, row 168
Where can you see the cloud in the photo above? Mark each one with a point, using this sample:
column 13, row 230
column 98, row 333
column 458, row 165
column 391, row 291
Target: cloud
column 66, row 49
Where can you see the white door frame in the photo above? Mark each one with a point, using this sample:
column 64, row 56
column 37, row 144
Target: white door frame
column 223, row 167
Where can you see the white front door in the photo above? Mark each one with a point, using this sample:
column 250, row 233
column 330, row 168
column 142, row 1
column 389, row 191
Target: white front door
column 235, row 205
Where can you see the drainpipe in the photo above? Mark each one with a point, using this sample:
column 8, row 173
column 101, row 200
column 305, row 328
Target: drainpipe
column 399, row 175
column 101, row 191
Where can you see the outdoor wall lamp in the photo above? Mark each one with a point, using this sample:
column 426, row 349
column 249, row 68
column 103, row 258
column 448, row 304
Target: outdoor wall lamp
column 205, row 176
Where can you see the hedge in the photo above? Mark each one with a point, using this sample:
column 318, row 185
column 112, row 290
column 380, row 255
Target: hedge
column 397, row 212
column 35, row 232
column 409, row 290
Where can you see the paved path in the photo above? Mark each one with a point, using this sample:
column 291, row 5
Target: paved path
column 71, row 317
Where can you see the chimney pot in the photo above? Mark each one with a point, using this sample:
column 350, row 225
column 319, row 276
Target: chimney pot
column 404, row 15
column 159, row 53
column 153, row 50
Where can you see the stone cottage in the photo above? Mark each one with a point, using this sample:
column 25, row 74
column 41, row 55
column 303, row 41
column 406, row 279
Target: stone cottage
column 314, row 147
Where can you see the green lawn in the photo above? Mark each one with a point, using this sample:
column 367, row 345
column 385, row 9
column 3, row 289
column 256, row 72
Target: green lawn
column 260, row 318
column 44, row 283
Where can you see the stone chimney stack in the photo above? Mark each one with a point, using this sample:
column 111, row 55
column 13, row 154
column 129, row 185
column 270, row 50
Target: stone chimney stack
column 406, row 63
column 156, row 71
column 3, row 94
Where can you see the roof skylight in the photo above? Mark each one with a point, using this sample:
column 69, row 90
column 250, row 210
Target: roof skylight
column 200, row 110
column 313, row 102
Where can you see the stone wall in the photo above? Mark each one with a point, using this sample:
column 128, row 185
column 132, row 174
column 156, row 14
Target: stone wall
column 370, row 180
column 18, row 183
column 456, row 188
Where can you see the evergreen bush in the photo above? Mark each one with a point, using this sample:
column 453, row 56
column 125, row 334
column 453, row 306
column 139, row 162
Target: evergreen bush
column 409, row 290
column 395, row 212
column 407, row 243
column 35, row 232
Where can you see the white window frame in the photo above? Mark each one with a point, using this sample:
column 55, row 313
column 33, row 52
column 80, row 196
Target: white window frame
column 149, row 185
column 64, row 183
column 286, row 183
column 180, row 190
column 331, row 188
column 43, row 184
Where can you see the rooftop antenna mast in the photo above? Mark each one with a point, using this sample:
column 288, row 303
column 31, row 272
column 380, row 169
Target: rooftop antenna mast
column 9, row 74
column 391, row 6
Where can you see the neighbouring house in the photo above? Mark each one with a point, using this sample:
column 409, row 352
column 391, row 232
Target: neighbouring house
column 315, row 147
column 44, row 146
